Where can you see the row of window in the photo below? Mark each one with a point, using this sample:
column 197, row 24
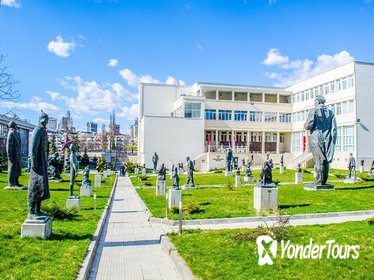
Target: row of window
column 339, row 108
column 252, row 116
column 324, row 89
column 242, row 137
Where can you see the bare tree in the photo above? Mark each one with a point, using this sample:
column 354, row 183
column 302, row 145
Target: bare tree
column 7, row 82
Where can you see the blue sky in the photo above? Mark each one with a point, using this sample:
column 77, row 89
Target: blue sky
column 89, row 55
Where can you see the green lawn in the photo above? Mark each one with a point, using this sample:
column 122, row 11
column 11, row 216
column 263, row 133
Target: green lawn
column 60, row 256
column 293, row 199
column 218, row 255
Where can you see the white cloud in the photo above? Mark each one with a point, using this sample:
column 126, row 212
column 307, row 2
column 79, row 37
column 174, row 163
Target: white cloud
column 274, row 57
column 101, row 121
column 35, row 104
column 10, row 3
column 91, row 97
column 290, row 72
column 133, row 80
column 200, row 47
column 112, row 62
column 130, row 112
column 272, row 2
column 60, row 47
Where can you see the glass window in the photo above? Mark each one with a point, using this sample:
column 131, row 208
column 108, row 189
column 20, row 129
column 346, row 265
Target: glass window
column 240, row 115
column 210, row 114
column 338, row 108
column 351, row 107
column 332, row 87
column 338, row 139
column 348, row 138
column 225, row 115
column 302, row 96
column 311, row 93
column 284, row 117
column 192, row 110
column 253, row 136
column 321, row 89
column 281, row 138
column 270, row 116
column 338, row 85
column 344, row 107
column 255, row 116
column 315, row 91
column 350, row 81
column 307, row 94
column 268, row 137
column 274, row 137
column 296, row 141
column 344, row 83
column 327, row 89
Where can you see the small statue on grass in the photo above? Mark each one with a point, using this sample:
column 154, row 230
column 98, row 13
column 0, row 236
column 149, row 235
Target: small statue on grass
column 175, row 178
column 162, row 173
column 266, row 177
column 155, row 161
column 351, row 166
column 73, row 169
column 190, row 170
column 13, row 150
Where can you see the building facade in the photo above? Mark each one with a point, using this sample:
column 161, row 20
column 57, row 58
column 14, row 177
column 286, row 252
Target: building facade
column 202, row 120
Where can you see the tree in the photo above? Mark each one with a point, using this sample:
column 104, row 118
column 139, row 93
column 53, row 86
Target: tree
column 7, row 82
column 101, row 164
column 53, row 147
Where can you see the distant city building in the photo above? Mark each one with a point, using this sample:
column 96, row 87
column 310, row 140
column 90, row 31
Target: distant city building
column 66, row 123
column 52, row 124
column 91, row 127
column 116, row 131
column 134, row 129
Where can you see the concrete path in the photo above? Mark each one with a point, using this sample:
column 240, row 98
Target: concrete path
column 130, row 246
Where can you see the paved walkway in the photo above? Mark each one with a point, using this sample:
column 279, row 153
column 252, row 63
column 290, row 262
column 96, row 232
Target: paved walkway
column 130, row 246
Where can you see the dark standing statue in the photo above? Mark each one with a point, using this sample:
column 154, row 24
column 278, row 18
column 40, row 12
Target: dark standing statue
column 54, row 171
column 372, row 168
column 38, row 185
column 323, row 132
column 351, row 166
column 155, row 160
column 86, row 175
column 266, row 177
column 175, row 178
column 73, row 169
column 229, row 160
column 282, row 160
column 13, row 150
column 190, row 170
column 162, row 173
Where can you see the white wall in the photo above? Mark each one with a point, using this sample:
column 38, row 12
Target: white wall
column 172, row 139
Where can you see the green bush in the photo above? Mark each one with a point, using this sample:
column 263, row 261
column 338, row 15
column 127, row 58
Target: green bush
column 130, row 167
column 370, row 221
column 60, row 213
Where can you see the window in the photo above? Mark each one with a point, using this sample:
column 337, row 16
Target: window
column 268, row 137
column 332, row 107
column 344, row 83
column 321, row 89
column 253, row 136
column 344, row 107
column 296, row 141
column 240, row 115
column 315, row 91
column 302, row 96
column 210, row 114
column 311, row 93
column 192, row 110
column 225, row 115
column 332, row 87
column 351, row 107
column 307, row 94
column 274, row 138
column 338, row 85
column 338, row 139
column 270, row 116
column 348, row 138
column 284, row 117
column 338, row 108
column 327, row 89
column 350, row 81
column 281, row 138
column 255, row 116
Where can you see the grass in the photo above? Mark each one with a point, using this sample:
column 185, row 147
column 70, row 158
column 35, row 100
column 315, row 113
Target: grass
column 293, row 199
column 60, row 256
column 218, row 255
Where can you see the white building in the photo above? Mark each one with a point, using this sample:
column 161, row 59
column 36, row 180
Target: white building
column 202, row 120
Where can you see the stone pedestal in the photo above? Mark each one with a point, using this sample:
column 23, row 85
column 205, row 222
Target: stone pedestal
column 298, row 177
column 105, row 174
column 265, row 197
column 136, row 171
column 351, row 180
column 243, row 167
column 188, row 187
column 228, row 173
column 37, row 228
column 175, row 196
column 248, row 179
column 281, row 169
column 316, row 187
column 16, row 188
column 180, row 171
column 98, row 181
column 160, row 187
column 362, row 169
column 238, row 181
column 144, row 172
column 73, row 202
column 85, row 191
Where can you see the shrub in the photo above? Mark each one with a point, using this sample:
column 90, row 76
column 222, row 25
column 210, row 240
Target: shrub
column 229, row 184
column 370, row 221
column 130, row 167
column 60, row 213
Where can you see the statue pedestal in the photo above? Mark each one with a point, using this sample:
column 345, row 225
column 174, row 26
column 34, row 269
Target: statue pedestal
column 98, row 181
column 318, row 187
column 37, row 228
column 281, row 169
column 144, row 171
column 248, row 179
column 351, row 180
column 298, row 177
column 136, row 171
column 265, row 197
column 86, row 191
column 160, row 187
column 73, row 202
column 243, row 167
column 16, row 188
column 180, row 171
column 362, row 169
column 105, row 173
column 228, row 173
column 238, row 181
column 188, row 187
column 175, row 196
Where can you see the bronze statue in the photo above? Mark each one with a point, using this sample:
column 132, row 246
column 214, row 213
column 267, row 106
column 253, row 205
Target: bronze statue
column 323, row 132
column 73, row 169
column 190, row 170
column 13, row 150
column 155, row 160
column 351, row 166
column 175, row 178
column 86, row 174
column 266, row 177
column 54, row 167
column 38, row 184
column 229, row 160
column 162, row 173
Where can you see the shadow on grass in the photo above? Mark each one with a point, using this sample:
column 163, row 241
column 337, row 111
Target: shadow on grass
column 354, row 188
column 205, row 203
column 295, row 205
column 69, row 236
